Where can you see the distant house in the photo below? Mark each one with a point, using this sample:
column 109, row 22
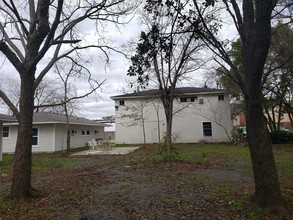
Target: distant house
column 3, row 119
column 240, row 120
column 49, row 132
column 201, row 115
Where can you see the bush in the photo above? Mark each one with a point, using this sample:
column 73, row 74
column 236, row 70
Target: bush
column 162, row 153
column 238, row 136
column 281, row 137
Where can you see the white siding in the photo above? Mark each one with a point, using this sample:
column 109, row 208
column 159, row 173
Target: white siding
column 1, row 142
column 187, row 122
column 10, row 142
column 77, row 139
column 45, row 138
column 52, row 137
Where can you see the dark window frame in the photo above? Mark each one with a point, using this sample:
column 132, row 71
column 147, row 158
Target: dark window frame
column 35, row 137
column 207, row 129
column 183, row 99
column 221, row 97
column 4, row 132
column 193, row 99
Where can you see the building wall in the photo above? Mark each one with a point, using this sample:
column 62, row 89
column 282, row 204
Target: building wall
column 78, row 139
column 187, row 122
column 52, row 137
column 10, row 142
column 1, row 142
column 45, row 138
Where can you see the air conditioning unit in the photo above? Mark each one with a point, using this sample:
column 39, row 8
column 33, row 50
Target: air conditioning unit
column 200, row 101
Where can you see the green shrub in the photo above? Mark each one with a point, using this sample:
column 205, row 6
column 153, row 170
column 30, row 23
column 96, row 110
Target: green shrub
column 162, row 152
column 281, row 137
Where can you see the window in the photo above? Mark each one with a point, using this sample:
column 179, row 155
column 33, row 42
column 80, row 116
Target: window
column 121, row 102
column 207, row 129
column 73, row 132
column 5, row 132
column 35, row 136
column 192, row 99
column 183, row 99
column 221, row 97
column 86, row 132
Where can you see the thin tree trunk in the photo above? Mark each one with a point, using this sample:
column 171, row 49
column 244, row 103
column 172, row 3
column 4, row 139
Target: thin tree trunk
column 169, row 121
column 143, row 127
column 67, row 128
column 168, row 135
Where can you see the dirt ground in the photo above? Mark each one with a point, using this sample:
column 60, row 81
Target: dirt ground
column 135, row 187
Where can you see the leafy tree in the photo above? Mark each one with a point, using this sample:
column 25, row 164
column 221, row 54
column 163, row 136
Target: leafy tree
column 165, row 55
column 35, row 32
column 253, row 23
column 109, row 118
column 278, row 77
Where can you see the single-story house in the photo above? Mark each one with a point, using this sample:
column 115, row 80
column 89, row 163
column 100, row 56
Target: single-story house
column 49, row 132
column 3, row 119
column 200, row 115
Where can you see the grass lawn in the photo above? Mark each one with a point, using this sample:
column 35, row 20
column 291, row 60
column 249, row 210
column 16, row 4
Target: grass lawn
column 210, row 181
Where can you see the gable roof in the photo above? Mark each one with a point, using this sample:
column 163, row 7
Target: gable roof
column 178, row 91
column 54, row 118
column 7, row 118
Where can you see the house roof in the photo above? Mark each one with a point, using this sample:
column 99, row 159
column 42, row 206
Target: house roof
column 178, row 91
column 7, row 118
column 53, row 118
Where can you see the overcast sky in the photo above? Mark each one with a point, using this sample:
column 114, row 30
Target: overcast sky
column 99, row 105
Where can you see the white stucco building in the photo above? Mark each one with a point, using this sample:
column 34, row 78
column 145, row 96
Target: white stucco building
column 201, row 115
column 49, row 132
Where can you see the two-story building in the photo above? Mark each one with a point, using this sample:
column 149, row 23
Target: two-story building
column 200, row 115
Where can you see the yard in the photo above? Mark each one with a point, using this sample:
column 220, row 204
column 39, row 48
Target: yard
column 207, row 182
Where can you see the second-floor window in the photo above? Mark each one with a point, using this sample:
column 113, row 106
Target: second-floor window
column 182, row 99
column 221, row 97
column 121, row 102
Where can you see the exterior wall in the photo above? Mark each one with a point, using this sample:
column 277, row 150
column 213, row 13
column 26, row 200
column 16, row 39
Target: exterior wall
column 1, row 142
column 110, row 135
column 45, row 138
column 77, row 138
column 45, row 142
column 52, row 137
column 10, row 142
column 187, row 122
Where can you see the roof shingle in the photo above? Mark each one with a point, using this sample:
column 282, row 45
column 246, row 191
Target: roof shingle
column 178, row 91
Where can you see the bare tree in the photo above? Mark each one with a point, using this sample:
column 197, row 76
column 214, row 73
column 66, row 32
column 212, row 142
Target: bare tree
column 46, row 93
column 37, row 32
column 253, row 23
column 73, row 70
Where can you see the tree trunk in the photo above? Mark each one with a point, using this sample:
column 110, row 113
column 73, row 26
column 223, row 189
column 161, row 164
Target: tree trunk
column 67, row 128
column 256, row 37
column 267, row 187
column 169, row 120
column 21, row 178
column 168, row 135
column 143, row 129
